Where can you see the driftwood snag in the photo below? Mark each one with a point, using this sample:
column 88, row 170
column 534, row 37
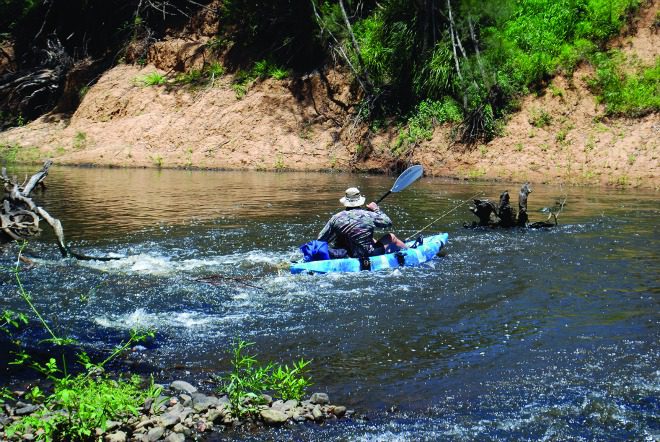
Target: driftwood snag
column 503, row 215
column 20, row 216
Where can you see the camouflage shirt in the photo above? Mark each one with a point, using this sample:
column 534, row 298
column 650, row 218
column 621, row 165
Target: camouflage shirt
column 353, row 230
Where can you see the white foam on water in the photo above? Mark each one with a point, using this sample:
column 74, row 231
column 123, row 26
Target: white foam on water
column 141, row 318
column 161, row 265
column 142, row 263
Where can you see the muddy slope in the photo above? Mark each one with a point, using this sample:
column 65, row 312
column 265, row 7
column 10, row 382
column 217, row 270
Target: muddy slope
column 304, row 124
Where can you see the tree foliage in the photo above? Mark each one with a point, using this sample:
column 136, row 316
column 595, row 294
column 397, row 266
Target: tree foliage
column 480, row 54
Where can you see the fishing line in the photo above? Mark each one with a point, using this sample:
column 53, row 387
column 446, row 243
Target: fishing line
column 218, row 279
column 443, row 215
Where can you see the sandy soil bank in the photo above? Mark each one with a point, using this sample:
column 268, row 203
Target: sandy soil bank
column 303, row 124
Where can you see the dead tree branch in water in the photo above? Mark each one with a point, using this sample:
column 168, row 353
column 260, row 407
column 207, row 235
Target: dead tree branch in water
column 20, row 216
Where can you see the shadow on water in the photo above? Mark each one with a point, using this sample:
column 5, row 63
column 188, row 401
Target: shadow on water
column 543, row 334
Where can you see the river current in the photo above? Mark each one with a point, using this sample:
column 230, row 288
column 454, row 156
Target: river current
column 548, row 334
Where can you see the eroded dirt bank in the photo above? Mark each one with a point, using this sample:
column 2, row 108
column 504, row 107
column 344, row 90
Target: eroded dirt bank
column 304, row 124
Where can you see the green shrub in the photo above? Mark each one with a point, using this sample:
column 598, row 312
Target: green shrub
column 9, row 153
column 246, row 384
column 79, row 140
column 631, row 93
column 290, row 383
column 239, row 89
column 78, row 403
column 267, row 69
column 215, row 69
column 191, row 76
column 539, row 118
column 420, row 125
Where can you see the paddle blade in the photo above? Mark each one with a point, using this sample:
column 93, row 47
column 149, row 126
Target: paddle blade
column 409, row 176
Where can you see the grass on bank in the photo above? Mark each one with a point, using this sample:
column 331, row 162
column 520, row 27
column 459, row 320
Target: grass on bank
column 78, row 404
column 207, row 76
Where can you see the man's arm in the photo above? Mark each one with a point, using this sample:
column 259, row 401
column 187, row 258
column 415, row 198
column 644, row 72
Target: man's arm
column 380, row 219
column 326, row 232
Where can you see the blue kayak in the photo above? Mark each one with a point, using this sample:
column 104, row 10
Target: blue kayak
column 404, row 258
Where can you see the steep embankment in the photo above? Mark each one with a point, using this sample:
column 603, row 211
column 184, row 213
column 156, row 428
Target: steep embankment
column 304, row 124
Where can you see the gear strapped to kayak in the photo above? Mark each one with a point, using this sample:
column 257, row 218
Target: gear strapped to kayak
column 424, row 251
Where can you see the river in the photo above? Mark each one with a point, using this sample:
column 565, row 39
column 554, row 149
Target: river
column 548, row 334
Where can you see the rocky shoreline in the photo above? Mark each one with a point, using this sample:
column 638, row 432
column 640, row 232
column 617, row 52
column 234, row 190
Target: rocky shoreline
column 183, row 413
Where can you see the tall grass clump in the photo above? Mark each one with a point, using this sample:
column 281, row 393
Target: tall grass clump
column 153, row 79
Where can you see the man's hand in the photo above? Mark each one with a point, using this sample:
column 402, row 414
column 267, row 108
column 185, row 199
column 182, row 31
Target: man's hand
column 373, row 207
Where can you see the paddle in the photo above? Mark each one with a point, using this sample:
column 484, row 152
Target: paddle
column 409, row 176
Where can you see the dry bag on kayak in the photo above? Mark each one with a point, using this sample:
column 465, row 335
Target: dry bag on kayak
column 315, row 251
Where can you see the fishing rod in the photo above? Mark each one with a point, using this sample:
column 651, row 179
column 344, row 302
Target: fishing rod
column 443, row 215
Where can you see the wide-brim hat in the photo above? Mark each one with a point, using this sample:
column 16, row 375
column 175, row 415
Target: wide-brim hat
column 353, row 198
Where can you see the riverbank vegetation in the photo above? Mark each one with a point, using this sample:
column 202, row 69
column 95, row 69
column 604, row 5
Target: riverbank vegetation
column 73, row 398
column 82, row 397
column 249, row 380
column 468, row 61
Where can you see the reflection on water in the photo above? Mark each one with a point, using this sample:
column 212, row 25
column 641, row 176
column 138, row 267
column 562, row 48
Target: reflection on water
column 543, row 334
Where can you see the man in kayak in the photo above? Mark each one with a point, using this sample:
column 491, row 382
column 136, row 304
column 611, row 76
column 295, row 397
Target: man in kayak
column 353, row 229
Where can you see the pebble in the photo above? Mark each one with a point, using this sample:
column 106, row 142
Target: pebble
column 339, row 411
column 155, row 433
column 317, row 413
column 27, row 409
column 186, row 400
column 215, row 413
column 202, row 402
column 175, row 437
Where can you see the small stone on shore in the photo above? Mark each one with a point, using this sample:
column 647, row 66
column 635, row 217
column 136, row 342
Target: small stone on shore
column 183, row 386
column 273, row 417
column 118, row 436
column 319, row 398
